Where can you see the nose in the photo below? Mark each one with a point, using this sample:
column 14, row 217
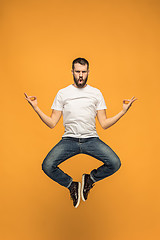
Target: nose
column 80, row 74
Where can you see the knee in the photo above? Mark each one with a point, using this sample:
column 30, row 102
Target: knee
column 46, row 166
column 116, row 163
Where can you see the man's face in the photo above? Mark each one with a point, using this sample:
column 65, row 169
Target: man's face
column 80, row 75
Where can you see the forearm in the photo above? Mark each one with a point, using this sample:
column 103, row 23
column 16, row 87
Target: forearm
column 46, row 119
column 111, row 121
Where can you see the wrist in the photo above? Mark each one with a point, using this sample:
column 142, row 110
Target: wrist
column 35, row 108
column 123, row 111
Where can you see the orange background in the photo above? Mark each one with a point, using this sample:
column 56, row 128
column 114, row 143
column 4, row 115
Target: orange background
column 39, row 41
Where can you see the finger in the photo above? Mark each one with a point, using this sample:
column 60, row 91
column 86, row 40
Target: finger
column 134, row 99
column 33, row 98
column 26, row 95
column 132, row 102
column 126, row 101
column 28, row 99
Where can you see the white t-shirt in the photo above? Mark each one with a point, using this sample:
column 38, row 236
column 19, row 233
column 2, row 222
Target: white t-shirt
column 79, row 107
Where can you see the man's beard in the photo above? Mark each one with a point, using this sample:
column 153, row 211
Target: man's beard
column 80, row 84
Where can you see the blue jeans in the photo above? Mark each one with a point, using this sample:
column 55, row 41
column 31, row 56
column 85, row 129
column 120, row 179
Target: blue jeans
column 68, row 147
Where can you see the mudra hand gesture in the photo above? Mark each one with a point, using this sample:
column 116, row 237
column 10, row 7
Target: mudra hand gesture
column 32, row 100
column 127, row 103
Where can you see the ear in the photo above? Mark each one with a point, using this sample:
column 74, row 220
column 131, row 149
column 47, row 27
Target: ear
column 88, row 71
column 72, row 71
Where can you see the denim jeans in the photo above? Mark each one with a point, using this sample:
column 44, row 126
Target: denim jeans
column 68, row 147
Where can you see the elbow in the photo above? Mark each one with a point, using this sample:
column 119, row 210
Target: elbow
column 52, row 126
column 104, row 126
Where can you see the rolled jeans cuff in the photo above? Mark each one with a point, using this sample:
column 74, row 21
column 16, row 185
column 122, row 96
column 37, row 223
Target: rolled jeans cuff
column 92, row 178
column 70, row 183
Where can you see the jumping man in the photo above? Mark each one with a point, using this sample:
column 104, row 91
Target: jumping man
column 80, row 103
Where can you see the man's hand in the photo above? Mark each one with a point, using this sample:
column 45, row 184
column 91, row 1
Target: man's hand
column 32, row 100
column 127, row 104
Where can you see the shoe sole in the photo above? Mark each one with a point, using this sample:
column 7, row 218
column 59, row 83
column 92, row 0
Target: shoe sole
column 83, row 179
column 79, row 194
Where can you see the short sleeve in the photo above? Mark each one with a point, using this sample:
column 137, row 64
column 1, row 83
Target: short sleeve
column 57, row 103
column 101, row 102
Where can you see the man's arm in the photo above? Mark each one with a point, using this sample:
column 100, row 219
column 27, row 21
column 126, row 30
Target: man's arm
column 49, row 121
column 108, row 122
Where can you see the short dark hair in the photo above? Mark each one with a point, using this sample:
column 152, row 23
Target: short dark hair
column 82, row 61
